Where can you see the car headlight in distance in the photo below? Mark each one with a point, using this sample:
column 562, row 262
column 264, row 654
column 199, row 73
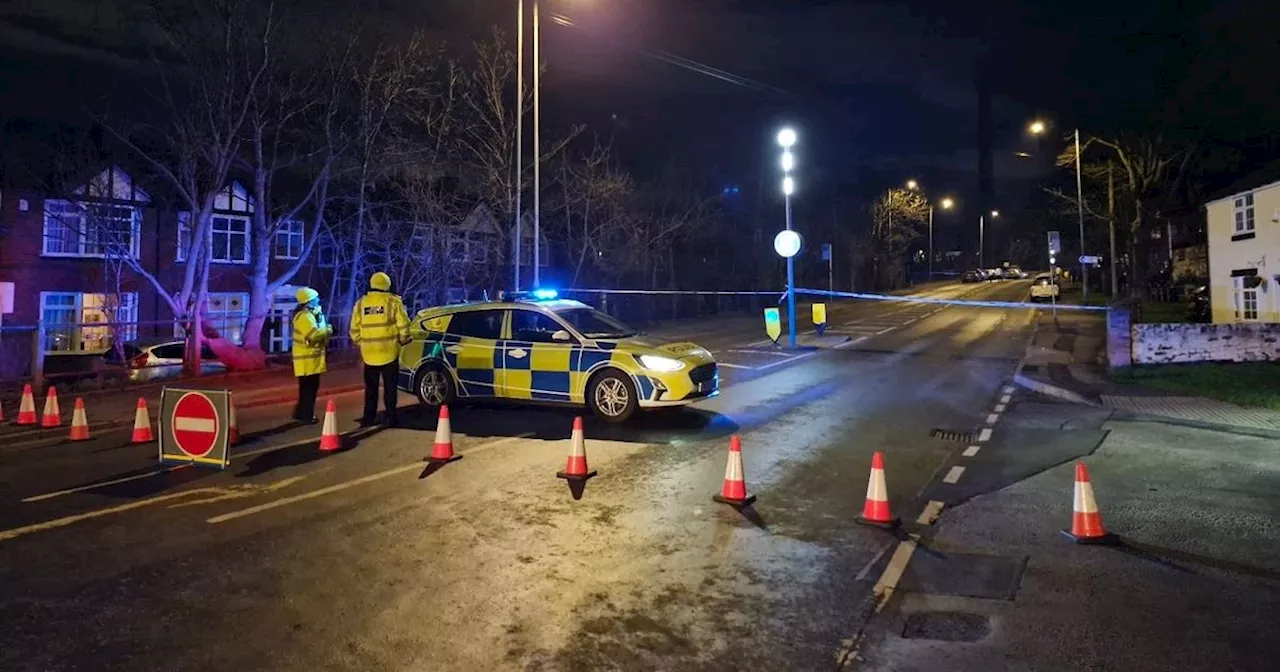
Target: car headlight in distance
column 658, row 363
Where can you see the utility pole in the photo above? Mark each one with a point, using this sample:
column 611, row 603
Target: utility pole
column 519, row 131
column 537, row 153
column 1084, row 268
column 1111, row 220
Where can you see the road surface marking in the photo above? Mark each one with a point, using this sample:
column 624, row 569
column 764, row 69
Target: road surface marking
column 992, row 418
column 884, row 588
column 984, row 435
column 866, row 569
column 885, row 331
column 1000, row 408
column 338, row 487
column 852, row 342
column 735, row 366
column 1006, row 398
column 762, row 352
column 785, row 361
column 100, row 484
column 953, row 475
column 1008, row 389
column 5, row 535
column 971, row 451
column 931, row 512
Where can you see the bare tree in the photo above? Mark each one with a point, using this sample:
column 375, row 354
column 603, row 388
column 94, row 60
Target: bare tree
column 593, row 202
column 898, row 218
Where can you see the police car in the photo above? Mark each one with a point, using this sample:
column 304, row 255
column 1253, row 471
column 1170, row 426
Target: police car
column 543, row 349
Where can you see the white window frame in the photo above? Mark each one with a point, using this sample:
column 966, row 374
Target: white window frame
column 291, row 239
column 76, row 330
column 1243, row 214
column 85, row 239
column 185, row 232
column 218, row 315
column 1241, row 297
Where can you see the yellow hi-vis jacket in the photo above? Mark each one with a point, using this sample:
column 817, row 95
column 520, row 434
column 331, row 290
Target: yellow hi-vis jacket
column 309, row 341
column 379, row 325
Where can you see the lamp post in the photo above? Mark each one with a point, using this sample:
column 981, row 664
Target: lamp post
column 786, row 139
column 537, row 128
column 982, row 235
column 519, row 132
column 1037, row 128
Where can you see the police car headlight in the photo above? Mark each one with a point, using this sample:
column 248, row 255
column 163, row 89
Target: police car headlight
column 658, row 363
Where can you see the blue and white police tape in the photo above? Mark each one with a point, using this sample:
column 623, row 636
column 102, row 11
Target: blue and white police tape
column 666, row 292
column 944, row 302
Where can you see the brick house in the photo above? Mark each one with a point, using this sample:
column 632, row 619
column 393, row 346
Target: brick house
column 64, row 256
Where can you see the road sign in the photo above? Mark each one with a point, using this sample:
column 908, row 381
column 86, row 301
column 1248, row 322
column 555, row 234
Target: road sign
column 826, row 251
column 773, row 323
column 1055, row 244
column 820, row 317
column 1090, row 259
column 195, row 426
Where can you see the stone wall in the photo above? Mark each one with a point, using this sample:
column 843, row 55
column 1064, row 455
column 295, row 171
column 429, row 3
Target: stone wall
column 1176, row 343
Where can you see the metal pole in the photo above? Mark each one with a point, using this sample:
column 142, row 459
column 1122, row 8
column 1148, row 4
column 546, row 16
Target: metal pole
column 1111, row 220
column 982, row 233
column 519, row 129
column 1084, row 268
column 791, row 286
column 931, row 243
column 37, row 358
column 537, row 153
column 831, row 274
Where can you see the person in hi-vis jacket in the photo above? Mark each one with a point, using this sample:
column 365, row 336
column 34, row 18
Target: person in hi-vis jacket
column 380, row 327
column 311, row 333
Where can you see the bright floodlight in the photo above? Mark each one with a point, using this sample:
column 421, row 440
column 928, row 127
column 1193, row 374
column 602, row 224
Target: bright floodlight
column 788, row 162
column 786, row 137
column 788, row 185
column 947, row 203
column 995, row 213
column 1036, row 128
column 912, row 185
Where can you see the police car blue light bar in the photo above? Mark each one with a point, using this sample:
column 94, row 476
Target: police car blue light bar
column 544, row 294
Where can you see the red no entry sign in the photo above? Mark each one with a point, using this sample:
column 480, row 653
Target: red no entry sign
column 195, row 424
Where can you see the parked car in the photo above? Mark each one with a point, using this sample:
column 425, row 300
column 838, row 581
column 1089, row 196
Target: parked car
column 972, row 275
column 154, row 360
column 1043, row 288
column 1015, row 273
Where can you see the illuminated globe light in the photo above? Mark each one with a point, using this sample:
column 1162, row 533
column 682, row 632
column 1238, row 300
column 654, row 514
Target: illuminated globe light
column 788, row 162
column 787, row 244
column 786, row 137
column 788, row 185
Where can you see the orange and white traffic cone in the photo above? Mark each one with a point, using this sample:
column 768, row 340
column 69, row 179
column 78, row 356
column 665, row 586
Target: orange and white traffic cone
column 233, row 428
column 442, row 451
column 330, row 440
column 142, row 423
column 876, row 510
column 52, row 416
column 79, row 423
column 27, row 407
column 575, row 468
column 734, row 492
column 1086, row 522
column 1, row 412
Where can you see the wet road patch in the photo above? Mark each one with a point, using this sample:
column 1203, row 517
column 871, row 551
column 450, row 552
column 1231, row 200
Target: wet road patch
column 947, row 626
column 991, row 577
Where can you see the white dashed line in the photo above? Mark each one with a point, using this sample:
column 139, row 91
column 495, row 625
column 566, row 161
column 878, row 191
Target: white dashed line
column 985, row 435
column 1008, row 389
column 971, row 451
column 1006, row 398
column 885, row 331
column 785, row 361
column 953, row 475
column 762, row 352
column 1000, row 408
column 931, row 512
column 735, row 366
column 992, row 418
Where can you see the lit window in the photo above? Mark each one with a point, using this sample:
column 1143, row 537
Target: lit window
column 1244, row 213
column 225, row 312
column 90, row 229
column 290, row 240
column 77, row 322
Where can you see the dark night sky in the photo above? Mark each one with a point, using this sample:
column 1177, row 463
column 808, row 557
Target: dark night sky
column 879, row 90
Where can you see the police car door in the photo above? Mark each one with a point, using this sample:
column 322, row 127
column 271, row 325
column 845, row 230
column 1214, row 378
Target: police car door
column 476, row 354
column 537, row 365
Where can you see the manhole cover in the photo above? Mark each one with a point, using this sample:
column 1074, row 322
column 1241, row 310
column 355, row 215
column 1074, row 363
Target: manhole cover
column 948, row 435
column 947, row 626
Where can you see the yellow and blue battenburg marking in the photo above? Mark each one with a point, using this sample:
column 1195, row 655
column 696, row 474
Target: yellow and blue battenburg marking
column 773, row 323
column 820, row 317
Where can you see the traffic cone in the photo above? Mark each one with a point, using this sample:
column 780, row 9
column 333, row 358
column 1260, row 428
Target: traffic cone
column 329, row 438
column 52, row 416
column 233, row 429
column 79, row 423
column 1, row 412
column 734, row 492
column 142, row 423
column 1086, row 522
column 442, row 451
column 27, row 407
column 575, row 468
column 876, row 510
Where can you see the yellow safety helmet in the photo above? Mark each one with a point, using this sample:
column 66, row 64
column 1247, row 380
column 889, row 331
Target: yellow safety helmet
column 380, row 281
column 307, row 295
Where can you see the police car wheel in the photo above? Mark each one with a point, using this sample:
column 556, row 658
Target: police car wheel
column 612, row 397
column 435, row 388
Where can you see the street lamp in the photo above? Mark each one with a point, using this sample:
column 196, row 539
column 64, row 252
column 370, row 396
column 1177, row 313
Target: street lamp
column 1038, row 127
column 913, row 185
column 982, row 234
column 787, row 139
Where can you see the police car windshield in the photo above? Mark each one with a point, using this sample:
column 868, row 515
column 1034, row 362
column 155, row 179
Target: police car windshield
column 595, row 324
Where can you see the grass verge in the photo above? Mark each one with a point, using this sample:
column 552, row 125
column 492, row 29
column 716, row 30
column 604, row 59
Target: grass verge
column 1254, row 384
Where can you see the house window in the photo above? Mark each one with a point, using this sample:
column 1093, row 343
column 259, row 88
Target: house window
column 229, row 242
column 289, row 240
column 79, row 322
column 326, row 252
column 457, row 248
column 226, row 312
column 184, row 236
column 88, row 229
column 420, row 242
column 526, row 252
column 1246, row 300
column 478, row 247
column 1244, row 213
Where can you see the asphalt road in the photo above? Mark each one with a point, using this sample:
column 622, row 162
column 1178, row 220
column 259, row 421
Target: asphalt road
column 367, row 560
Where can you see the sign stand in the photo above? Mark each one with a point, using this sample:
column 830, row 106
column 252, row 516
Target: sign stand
column 195, row 427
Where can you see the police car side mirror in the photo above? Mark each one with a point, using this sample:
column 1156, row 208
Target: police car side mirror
column 561, row 335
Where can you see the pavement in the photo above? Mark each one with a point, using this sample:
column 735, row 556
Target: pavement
column 1066, row 359
column 370, row 559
